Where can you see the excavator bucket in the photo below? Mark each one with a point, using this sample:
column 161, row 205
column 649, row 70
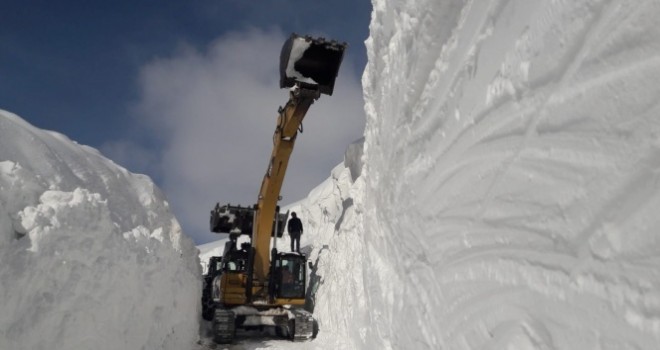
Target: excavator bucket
column 237, row 220
column 232, row 219
column 311, row 63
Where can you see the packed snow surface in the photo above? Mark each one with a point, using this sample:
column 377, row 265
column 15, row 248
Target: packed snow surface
column 90, row 255
column 510, row 182
column 512, row 176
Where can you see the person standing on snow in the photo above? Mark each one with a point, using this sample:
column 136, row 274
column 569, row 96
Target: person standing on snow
column 295, row 229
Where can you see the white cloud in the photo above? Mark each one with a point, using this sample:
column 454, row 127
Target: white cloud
column 215, row 112
column 131, row 155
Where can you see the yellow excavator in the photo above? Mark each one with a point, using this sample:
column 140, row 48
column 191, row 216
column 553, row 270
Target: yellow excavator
column 255, row 285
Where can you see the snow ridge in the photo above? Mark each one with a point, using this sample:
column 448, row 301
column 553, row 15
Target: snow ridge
column 90, row 255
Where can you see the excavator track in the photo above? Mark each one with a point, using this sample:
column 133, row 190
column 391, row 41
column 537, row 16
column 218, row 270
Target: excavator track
column 303, row 325
column 224, row 326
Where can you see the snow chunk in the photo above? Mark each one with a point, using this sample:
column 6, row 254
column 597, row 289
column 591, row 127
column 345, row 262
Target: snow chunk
column 300, row 45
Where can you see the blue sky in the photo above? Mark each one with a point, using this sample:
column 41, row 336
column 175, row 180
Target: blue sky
column 154, row 83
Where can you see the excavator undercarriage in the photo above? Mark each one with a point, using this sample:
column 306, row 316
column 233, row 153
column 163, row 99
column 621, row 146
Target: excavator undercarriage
column 255, row 285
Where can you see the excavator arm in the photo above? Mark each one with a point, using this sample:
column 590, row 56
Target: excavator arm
column 289, row 123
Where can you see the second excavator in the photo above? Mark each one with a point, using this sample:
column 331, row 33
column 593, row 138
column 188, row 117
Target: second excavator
column 254, row 284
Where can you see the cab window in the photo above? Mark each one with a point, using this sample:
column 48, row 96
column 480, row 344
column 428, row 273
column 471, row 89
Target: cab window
column 291, row 277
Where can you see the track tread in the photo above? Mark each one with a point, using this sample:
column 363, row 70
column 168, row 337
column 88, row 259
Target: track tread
column 303, row 326
column 224, row 326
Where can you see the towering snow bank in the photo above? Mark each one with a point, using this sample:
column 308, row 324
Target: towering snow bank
column 512, row 169
column 90, row 255
column 333, row 241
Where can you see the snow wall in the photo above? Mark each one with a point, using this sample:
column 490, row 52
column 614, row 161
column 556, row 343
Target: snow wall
column 90, row 255
column 510, row 182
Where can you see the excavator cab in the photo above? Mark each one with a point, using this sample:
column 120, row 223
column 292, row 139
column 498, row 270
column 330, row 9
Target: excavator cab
column 290, row 275
column 311, row 63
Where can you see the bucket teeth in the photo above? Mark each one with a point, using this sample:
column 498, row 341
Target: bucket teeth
column 311, row 63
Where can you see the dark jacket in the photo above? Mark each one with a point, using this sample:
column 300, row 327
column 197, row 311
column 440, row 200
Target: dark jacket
column 295, row 226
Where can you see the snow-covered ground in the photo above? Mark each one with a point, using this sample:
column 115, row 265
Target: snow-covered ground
column 90, row 255
column 504, row 196
column 509, row 186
